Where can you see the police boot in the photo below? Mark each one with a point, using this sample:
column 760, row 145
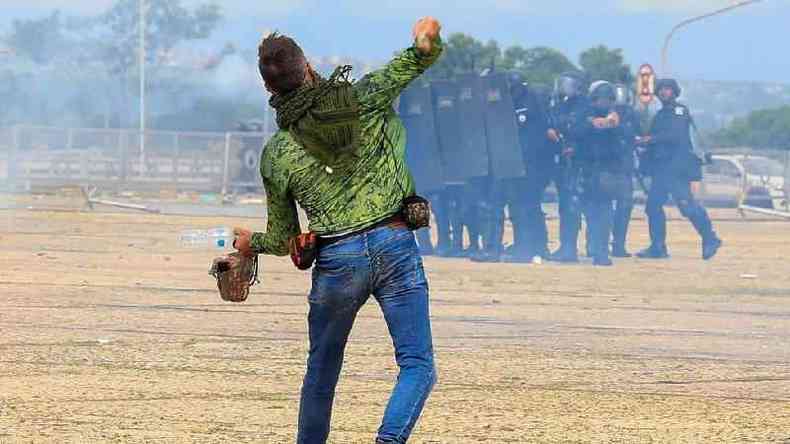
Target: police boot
column 564, row 255
column 486, row 256
column 618, row 250
column 710, row 247
column 653, row 252
column 515, row 255
column 602, row 260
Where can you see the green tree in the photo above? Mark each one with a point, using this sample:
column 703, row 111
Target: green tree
column 540, row 65
column 465, row 54
column 168, row 23
column 769, row 128
column 603, row 63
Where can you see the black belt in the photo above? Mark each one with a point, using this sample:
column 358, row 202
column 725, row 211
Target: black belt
column 392, row 221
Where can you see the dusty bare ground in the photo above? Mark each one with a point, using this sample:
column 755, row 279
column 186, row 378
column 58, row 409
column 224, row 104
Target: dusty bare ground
column 111, row 333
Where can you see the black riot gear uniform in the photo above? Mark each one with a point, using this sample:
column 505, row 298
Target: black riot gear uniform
column 624, row 199
column 565, row 115
column 674, row 166
column 600, row 157
column 506, row 162
column 530, row 234
column 461, row 163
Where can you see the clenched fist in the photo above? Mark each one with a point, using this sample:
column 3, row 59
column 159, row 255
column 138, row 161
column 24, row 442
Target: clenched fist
column 425, row 32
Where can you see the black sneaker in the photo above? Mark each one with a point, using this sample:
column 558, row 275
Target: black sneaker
column 620, row 251
column 710, row 248
column 653, row 252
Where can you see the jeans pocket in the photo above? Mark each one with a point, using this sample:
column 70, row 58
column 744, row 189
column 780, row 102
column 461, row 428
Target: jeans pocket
column 399, row 266
column 333, row 285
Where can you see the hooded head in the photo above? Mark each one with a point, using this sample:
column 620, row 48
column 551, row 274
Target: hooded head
column 282, row 64
column 322, row 115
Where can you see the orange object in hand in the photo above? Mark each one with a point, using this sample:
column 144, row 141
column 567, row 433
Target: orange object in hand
column 425, row 32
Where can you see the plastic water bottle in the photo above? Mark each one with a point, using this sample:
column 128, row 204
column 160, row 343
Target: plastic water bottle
column 220, row 238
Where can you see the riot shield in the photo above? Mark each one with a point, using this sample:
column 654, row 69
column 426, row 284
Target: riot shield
column 422, row 146
column 506, row 159
column 458, row 165
column 471, row 106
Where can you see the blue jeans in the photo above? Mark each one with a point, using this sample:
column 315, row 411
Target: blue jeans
column 386, row 263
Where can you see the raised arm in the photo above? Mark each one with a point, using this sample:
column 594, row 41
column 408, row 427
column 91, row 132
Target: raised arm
column 377, row 90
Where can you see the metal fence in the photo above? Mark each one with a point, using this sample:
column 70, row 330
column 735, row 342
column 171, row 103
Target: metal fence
column 40, row 157
column 112, row 159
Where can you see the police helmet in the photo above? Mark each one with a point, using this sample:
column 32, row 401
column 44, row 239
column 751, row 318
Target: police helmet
column 602, row 90
column 569, row 84
column 668, row 83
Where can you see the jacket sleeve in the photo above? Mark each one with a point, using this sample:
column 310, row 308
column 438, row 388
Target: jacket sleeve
column 377, row 90
column 282, row 216
column 282, row 223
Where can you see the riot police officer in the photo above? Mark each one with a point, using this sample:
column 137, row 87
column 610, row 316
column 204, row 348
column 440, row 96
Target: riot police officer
column 674, row 167
column 599, row 155
column 624, row 199
column 530, row 234
column 507, row 168
column 569, row 104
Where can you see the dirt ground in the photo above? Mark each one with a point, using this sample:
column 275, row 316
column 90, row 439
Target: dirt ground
column 109, row 332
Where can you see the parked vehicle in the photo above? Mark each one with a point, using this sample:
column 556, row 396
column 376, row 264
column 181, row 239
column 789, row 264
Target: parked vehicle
column 731, row 180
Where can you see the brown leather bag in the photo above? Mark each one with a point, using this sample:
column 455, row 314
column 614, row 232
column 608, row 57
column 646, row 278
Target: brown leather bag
column 235, row 274
column 303, row 250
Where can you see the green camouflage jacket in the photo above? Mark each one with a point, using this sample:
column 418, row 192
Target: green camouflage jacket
column 359, row 188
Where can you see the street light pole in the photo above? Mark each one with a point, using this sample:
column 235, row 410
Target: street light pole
column 684, row 23
column 142, row 87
